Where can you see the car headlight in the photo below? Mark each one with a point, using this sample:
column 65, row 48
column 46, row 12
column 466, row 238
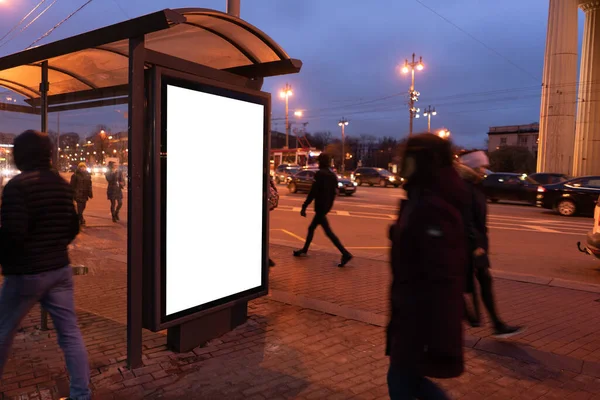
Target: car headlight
column 340, row 184
column 355, row 184
column 392, row 179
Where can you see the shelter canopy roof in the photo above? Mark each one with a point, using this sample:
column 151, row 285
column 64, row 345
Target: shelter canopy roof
column 99, row 59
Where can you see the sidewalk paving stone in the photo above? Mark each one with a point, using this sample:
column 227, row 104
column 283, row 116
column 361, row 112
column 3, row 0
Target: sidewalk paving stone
column 298, row 351
column 558, row 320
column 282, row 352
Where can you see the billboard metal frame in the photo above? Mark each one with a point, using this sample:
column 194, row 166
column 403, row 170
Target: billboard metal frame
column 155, row 317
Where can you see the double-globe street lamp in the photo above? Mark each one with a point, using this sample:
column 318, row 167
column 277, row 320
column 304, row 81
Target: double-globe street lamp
column 343, row 123
column 413, row 95
column 428, row 112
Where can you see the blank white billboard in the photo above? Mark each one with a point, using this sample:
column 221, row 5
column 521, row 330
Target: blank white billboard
column 214, row 197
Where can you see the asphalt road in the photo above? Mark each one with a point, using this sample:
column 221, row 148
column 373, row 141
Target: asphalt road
column 524, row 239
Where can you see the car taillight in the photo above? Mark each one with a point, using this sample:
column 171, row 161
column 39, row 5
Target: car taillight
column 541, row 189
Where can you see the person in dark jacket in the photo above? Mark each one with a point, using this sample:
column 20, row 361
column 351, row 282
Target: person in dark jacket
column 425, row 335
column 38, row 221
column 114, row 192
column 323, row 192
column 471, row 168
column 81, row 182
column 273, row 203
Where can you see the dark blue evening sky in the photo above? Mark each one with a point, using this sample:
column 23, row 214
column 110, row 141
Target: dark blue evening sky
column 351, row 52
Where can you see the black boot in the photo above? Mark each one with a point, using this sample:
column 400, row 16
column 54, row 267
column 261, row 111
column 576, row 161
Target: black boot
column 81, row 220
column 299, row 253
column 117, row 216
column 346, row 257
column 271, row 263
column 114, row 217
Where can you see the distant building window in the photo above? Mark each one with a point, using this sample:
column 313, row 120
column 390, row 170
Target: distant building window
column 503, row 141
column 523, row 140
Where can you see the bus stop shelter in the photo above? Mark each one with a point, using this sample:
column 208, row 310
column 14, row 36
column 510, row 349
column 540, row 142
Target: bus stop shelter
column 107, row 67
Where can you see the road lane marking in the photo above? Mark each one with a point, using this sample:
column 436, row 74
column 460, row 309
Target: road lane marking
column 368, row 248
column 493, row 224
column 296, row 209
column 292, row 234
column 528, row 230
column 540, row 229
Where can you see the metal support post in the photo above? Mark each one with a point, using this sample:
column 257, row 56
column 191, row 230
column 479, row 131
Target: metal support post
column 135, row 225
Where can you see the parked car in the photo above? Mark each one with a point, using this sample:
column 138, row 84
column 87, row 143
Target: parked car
column 375, row 176
column 575, row 196
column 303, row 180
column 283, row 171
column 546, row 178
column 510, row 187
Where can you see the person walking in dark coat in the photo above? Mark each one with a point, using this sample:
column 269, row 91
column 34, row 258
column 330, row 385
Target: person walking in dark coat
column 323, row 192
column 81, row 182
column 38, row 221
column 114, row 192
column 425, row 335
column 273, row 204
column 471, row 167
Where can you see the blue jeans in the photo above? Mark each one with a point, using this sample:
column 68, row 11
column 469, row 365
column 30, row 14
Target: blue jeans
column 54, row 290
column 404, row 385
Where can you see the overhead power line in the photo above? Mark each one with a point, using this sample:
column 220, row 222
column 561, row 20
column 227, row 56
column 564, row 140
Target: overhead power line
column 121, row 8
column 59, row 24
column 29, row 24
column 537, row 78
column 22, row 20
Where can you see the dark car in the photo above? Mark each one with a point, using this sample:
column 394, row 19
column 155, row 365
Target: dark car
column 575, row 196
column 375, row 176
column 303, row 180
column 283, row 171
column 509, row 187
column 546, row 178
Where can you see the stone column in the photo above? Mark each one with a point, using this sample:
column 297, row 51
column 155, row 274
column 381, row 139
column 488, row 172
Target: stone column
column 586, row 159
column 559, row 89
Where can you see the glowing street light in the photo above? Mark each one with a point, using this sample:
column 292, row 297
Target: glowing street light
column 428, row 112
column 444, row 133
column 298, row 113
column 285, row 93
column 412, row 93
column 343, row 123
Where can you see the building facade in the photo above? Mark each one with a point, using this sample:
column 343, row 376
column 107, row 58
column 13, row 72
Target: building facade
column 514, row 135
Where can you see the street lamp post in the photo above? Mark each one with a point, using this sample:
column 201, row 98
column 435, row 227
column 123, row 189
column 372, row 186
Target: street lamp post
column 343, row 123
column 285, row 94
column 428, row 112
column 412, row 93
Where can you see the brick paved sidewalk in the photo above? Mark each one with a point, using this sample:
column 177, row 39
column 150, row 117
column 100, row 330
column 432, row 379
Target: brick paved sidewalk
column 283, row 352
column 561, row 321
column 296, row 351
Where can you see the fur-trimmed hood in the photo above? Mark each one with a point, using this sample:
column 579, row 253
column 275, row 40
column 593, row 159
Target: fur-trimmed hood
column 467, row 173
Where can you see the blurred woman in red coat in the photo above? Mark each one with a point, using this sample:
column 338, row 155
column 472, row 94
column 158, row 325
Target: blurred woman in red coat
column 425, row 335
